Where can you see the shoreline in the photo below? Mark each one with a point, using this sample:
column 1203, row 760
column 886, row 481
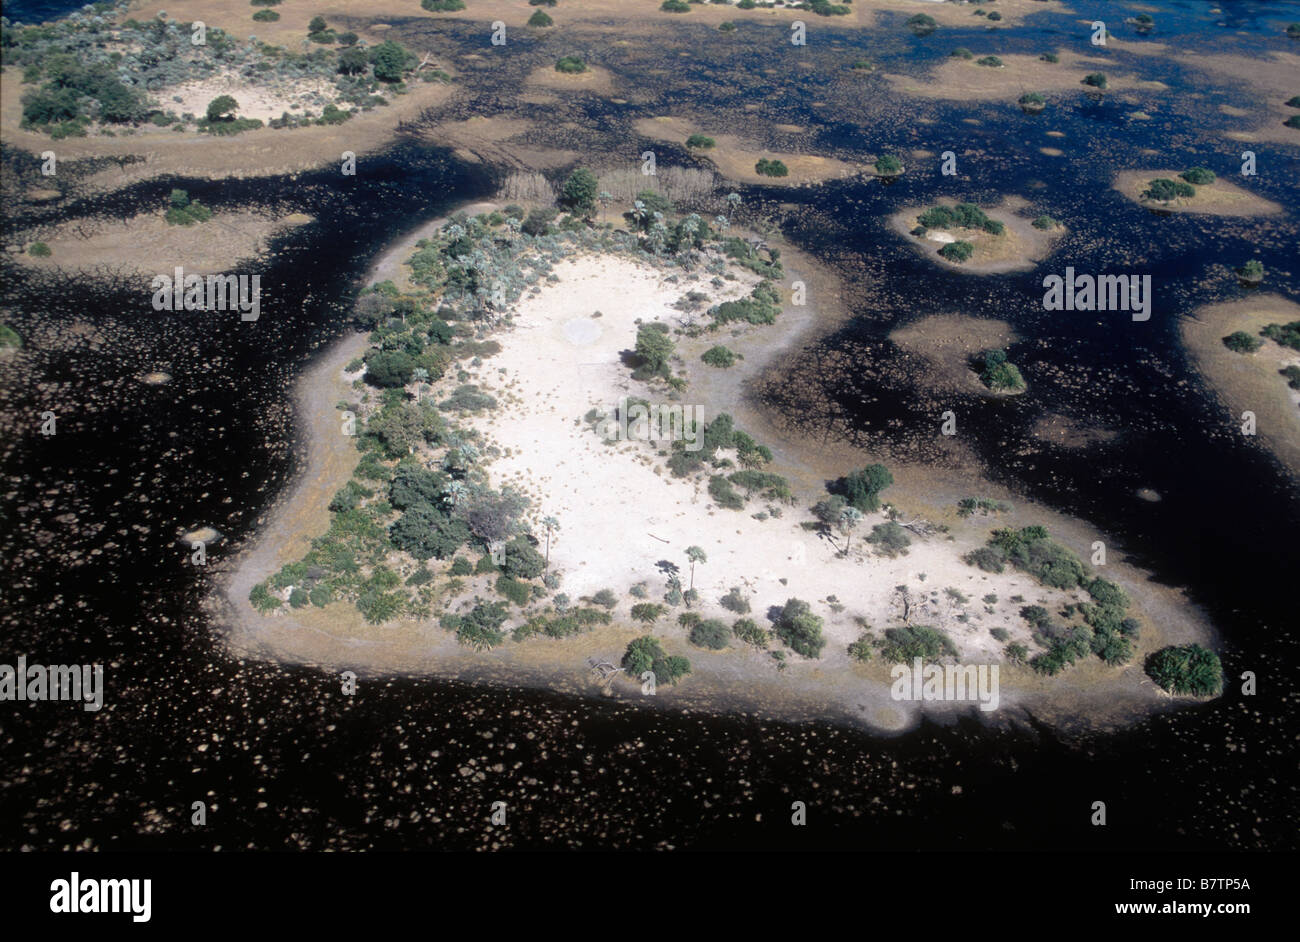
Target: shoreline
column 832, row 688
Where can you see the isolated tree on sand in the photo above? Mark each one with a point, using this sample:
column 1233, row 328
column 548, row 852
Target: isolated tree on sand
column 550, row 524
column 695, row 555
column 222, row 108
column 850, row 517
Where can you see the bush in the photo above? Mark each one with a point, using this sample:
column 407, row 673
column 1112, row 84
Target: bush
column 539, row 19
column 514, row 590
column 1045, row 222
column 570, row 65
column 1164, row 190
column 1198, row 175
column 747, row 631
column 958, row 251
column 441, row 6
column 1241, row 342
column 906, row 642
column 922, row 24
column 710, row 633
column 481, row 628
column 718, row 356
column 888, row 165
column 1032, row 99
column 675, row 6
column 862, row 488
column 799, row 628
column 1186, row 669
column 460, row 566
column 991, row 61
column 1288, row 335
column 605, row 598
column 646, row 654
column 997, row 374
column 700, row 142
column 770, row 168
column 735, row 601
column 961, row 52
column 889, row 538
column 647, row 612
column 723, row 494
column 266, row 16
column 580, row 191
column 1095, row 80
column 39, row 250
column 986, row 558
column 261, row 599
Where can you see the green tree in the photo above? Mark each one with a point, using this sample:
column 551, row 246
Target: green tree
column 580, row 191
column 799, row 628
column 222, row 108
column 695, row 555
column 862, row 488
column 389, row 61
column 654, row 348
column 1186, row 669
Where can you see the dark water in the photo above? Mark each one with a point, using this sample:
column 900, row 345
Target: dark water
column 93, row 571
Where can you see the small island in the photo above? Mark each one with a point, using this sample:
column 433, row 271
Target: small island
column 968, row 238
column 1193, row 190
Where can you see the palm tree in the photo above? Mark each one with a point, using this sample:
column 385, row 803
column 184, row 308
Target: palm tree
column 850, row 517
column 550, row 523
column 733, row 200
column 695, row 555
column 604, row 199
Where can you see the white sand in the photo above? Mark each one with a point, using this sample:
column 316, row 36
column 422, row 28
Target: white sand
column 621, row 511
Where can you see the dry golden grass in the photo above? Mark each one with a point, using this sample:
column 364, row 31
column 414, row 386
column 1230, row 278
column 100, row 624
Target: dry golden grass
column 1219, row 198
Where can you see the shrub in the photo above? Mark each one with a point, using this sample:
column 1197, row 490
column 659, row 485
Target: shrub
column 799, row 628
column 700, row 142
column 961, row 52
column 514, row 590
column 1095, row 80
column 1241, row 342
column 646, row 654
column 1050, row 57
column 747, row 631
column 999, row 634
column 723, row 494
column 710, row 633
column 675, row 6
column 266, row 16
column 906, row 642
column 1045, row 222
column 262, row 599
column 771, row 168
column 862, row 488
column 997, row 374
column 1199, row 176
column 922, row 24
column 986, row 558
column 862, row 649
column 605, row 598
column 1288, row 335
column 889, row 539
column 481, row 628
column 647, row 612
column 1186, row 669
column 39, row 250
column 991, row 61
column 958, row 251
column 441, row 6
column 888, row 165
column 580, row 191
column 1164, row 190
column 1253, row 270
column 718, row 356
column 539, row 19
column 735, row 601
column 570, row 65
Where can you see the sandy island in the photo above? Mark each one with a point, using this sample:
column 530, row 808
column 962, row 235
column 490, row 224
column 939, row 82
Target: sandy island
column 1219, row 198
column 1018, row 248
column 1250, row 381
column 621, row 512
